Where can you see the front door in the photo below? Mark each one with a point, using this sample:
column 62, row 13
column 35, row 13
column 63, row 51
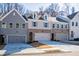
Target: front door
column 1, row 39
column 52, row 36
column 30, row 37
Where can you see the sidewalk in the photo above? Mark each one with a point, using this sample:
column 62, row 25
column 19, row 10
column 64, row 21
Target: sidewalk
column 70, row 42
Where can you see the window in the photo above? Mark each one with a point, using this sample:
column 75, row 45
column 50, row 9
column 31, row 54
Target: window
column 53, row 26
column 11, row 25
column 17, row 25
column 72, row 35
column 23, row 25
column 61, row 26
column 3, row 25
column 34, row 24
column 57, row 25
column 65, row 26
column 14, row 13
column 72, row 23
column 45, row 17
column 45, row 24
column 76, row 23
column 34, row 16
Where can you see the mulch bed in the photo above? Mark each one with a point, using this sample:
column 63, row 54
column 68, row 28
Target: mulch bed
column 1, row 46
column 40, row 45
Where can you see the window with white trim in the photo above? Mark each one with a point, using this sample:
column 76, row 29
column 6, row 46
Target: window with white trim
column 11, row 25
column 76, row 24
column 72, row 23
column 3, row 25
column 62, row 26
column 45, row 24
column 34, row 24
column 17, row 25
column 65, row 26
column 53, row 26
column 45, row 17
column 23, row 25
column 57, row 25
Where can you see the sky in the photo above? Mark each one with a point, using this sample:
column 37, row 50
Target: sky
column 36, row 6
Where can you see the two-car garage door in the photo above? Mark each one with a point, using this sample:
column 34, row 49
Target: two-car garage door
column 16, row 39
column 61, row 36
column 42, row 36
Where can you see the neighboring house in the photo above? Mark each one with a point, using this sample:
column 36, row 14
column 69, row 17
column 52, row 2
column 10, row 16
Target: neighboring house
column 74, row 25
column 14, row 27
column 44, row 27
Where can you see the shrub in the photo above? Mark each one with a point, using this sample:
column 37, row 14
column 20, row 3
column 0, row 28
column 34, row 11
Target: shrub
column 76, row 39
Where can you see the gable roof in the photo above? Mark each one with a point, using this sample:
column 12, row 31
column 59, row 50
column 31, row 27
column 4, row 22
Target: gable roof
column 11, row 12
column 25, row 17
column 30, row 17
column 41, row 18
column 72, row 15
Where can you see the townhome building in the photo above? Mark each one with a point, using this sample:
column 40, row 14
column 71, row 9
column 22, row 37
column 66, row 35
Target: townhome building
column 74, row 25
column 17, row 28
column 13, row 27
column 45, row 27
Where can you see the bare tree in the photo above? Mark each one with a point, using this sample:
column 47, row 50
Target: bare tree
column 53, row 9
column 6, row 7
column 73, row 9
column 67, row 7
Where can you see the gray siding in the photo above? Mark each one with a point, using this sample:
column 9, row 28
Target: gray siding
column 14, row 31
column 14, row 19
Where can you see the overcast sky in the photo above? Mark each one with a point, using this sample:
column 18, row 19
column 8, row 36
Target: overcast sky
column 36, row 6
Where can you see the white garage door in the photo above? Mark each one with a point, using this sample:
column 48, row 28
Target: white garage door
column 42, row 36
column 16, row 39
column 61, row 36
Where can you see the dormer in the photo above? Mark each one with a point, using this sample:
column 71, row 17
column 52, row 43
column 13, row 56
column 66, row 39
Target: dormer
column 45, row 16
column 34, row 15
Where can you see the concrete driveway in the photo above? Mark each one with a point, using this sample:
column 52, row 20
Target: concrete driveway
column 11, row 49
column 62, row 46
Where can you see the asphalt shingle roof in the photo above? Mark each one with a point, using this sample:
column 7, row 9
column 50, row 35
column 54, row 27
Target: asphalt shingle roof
column 72, row 15
column 60, row 19
column 25, row 18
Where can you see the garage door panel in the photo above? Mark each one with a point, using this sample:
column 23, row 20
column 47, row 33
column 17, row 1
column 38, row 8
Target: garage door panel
column 42, row 36
column 16, row 39
column 61, row 36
